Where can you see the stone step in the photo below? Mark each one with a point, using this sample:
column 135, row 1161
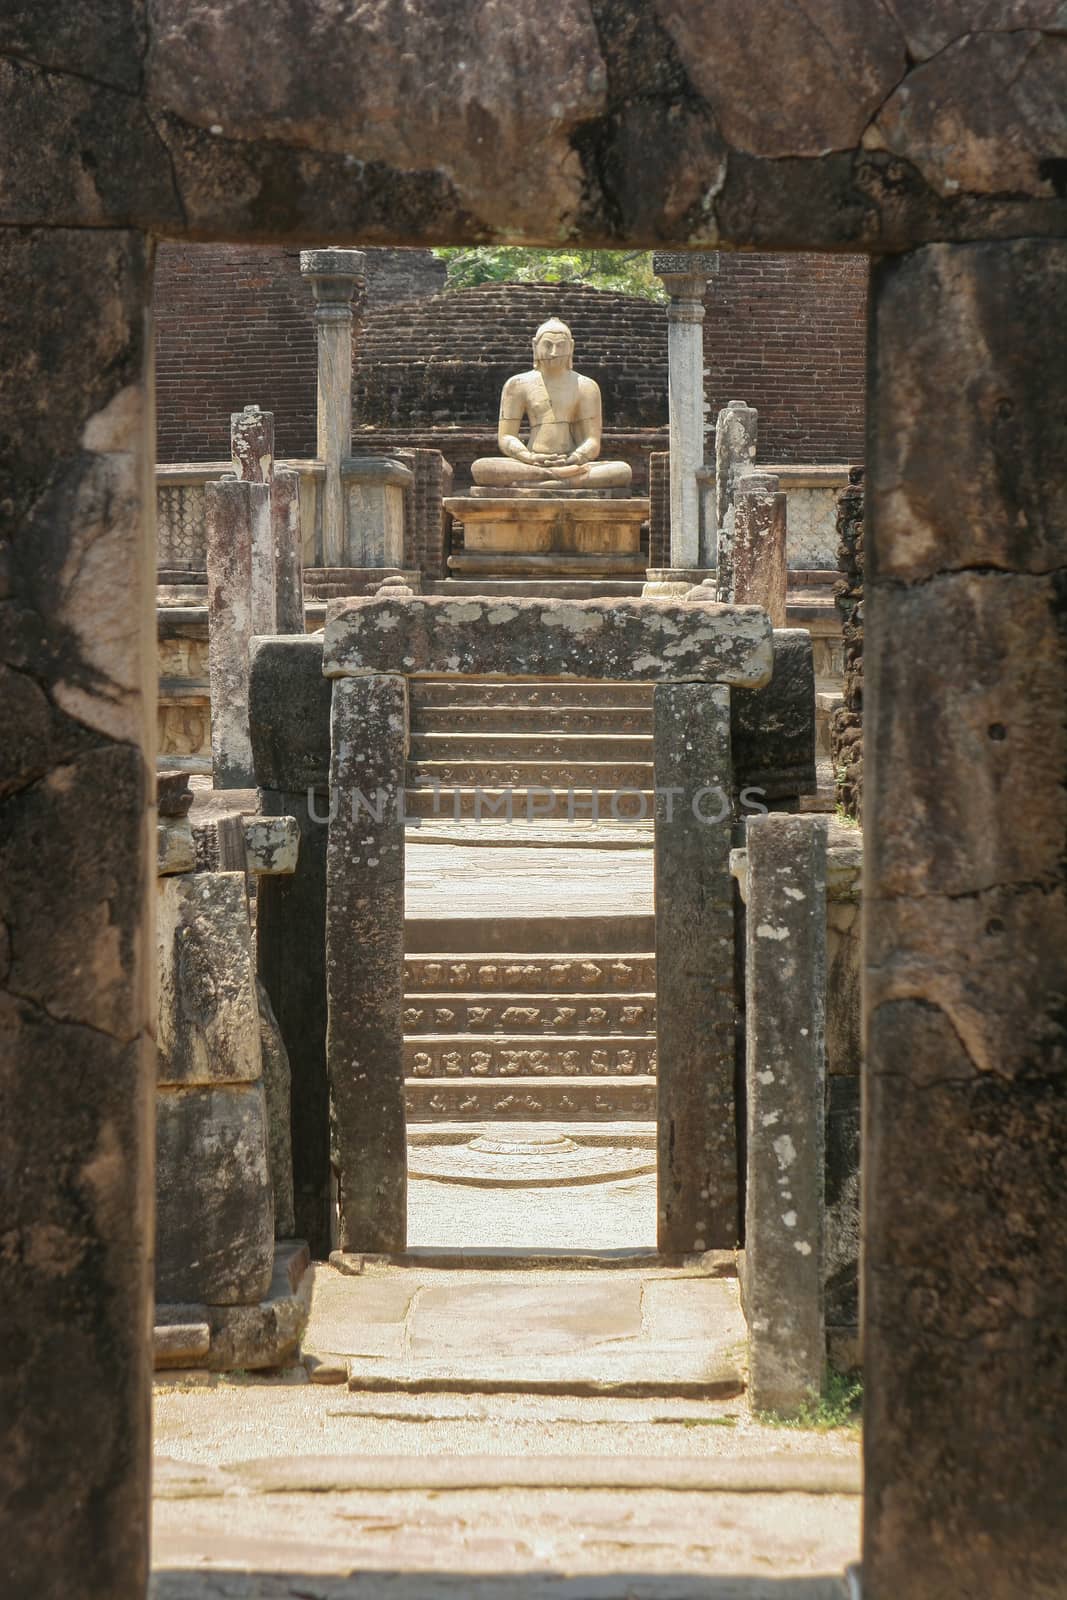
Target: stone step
column 613, row 721
column 455, row 692
column 619, row 934
column 538, row 804
column 517, row 974
column 556, row 1099
column 541, row 588
column 555, row 564
column 510, row 746
column 457, row 1055
column 522, row 776
column 548, row 1015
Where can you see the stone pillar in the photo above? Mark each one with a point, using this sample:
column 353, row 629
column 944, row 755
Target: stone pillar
column 335, row 276
column 735, row 452
column 288, row 551
column 365, row 959
column 758, row 560
column 685, row 276
column 237, row 522
column 965, row 924
column 289, row 715
column 785, row 1078
column 695, row 1010
column 77, row 870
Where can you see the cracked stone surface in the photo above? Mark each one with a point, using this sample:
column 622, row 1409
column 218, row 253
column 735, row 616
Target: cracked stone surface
column 834, row 124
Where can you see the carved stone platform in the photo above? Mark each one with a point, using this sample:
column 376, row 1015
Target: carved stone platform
column 510, row 534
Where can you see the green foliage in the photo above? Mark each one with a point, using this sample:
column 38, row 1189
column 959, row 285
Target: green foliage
column 624, row 271
column 839, row 1406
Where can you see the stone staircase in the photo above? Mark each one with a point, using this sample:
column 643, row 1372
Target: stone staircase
column 531, row 1035
column 529, row 1017
column 546, row 746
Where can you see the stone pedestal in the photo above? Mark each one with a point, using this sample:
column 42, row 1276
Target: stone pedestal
column 557, row 535
column 365, row 960
column 695, row 1008
column 374, row 492
column 335, row 276
column 685, row 275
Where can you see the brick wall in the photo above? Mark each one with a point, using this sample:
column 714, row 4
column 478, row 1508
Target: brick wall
column 234, row 326
column 787, row 333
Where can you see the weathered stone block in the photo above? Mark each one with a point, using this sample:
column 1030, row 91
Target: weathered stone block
column 208, row 1028
column 758, row 552
column 175, row 846
column 842, row 1226
column 289, row 713
column 229, row 1338
column 214, row 1217
column 785, row 996
column 365, row 960
column 272, row 845
column 772, row 730
column 647, row 640
column 695, row 1011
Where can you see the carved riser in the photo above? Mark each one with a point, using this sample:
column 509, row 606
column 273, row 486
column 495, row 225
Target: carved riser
column 608, row 1014
column 535, row 974
column 528, row 1057
column 531, row 1100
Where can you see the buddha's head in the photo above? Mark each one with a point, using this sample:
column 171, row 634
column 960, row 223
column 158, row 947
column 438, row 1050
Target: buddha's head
column 553, row 347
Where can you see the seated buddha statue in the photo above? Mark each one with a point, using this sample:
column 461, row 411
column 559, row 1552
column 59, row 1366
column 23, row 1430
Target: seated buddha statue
column 563, row 407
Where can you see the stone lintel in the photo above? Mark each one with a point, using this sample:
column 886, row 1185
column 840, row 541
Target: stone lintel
column 685, row 263
column 640, row 640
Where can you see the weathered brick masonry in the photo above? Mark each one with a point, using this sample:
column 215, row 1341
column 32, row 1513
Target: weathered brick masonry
column 785, row 333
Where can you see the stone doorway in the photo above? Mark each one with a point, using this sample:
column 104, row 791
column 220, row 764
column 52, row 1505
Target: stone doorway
column 691, row 655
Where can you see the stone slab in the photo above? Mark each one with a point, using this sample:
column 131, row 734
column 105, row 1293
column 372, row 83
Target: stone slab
column 245, row 1337
column 645, row 640
column 175, row 847
column 208, row 1027
column 214, row 1213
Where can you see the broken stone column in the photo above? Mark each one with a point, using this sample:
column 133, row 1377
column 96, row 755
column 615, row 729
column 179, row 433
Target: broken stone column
column 695, row 1010
column 365, row 959
column 335, row 276
column 758, row 560
column 252, row 451
column 735, row 452
column 285, row 515
column 77, row 880
column 965, row 924
column 685, row 276
column 785, row 1025
column 237, row 518
column 252, row 444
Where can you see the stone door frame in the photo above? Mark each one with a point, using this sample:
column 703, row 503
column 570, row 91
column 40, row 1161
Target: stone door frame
column 691, row 654
column 124, row 132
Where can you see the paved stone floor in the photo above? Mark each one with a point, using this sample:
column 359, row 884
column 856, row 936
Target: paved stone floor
column 286, row 1489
